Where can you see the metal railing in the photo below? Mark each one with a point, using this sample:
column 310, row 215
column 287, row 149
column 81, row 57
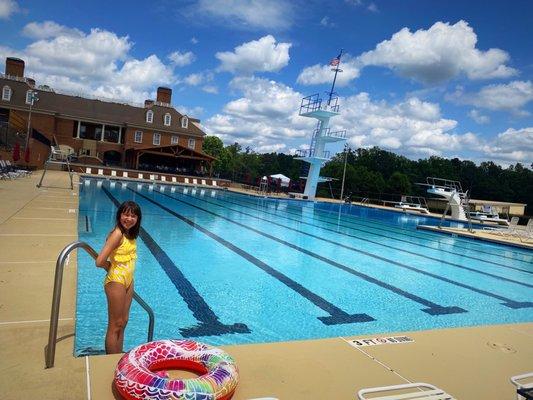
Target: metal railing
column 54, row 316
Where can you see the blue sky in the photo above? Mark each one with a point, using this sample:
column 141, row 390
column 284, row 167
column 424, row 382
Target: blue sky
column 420, row 77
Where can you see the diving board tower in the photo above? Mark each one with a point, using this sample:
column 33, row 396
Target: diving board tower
column 313, row 107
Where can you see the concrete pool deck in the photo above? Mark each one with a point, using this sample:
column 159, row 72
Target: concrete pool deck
column 35, row 224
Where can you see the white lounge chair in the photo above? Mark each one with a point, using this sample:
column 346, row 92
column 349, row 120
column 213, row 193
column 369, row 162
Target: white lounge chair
column 195, row 181
column 186, row 180
column 524, row 385
column 124, row 174
column 100, row 171
column 88, row 170
column 113, row 172
column 526, row 233
column 163, row 179
column 509, row 230
column 203, row 182
column 409, row 391
column 174, row 179
column 214, row 183
column 140, row 176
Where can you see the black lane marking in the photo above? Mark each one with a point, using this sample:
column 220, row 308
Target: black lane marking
column 363, row 240
column 209, row 325
column 375, row 234
column 433, row 308
column 300, row 212
column 507, row 302
column 336, row 315
column 329, row 214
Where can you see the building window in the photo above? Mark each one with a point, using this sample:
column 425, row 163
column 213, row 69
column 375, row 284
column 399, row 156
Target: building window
column 138, row 137
column 174, row 140
column 90, row 131
column 191, row 144
column 6, row 93
column 29, row 97
column 167, row 119
column 111, row 134
column 184, row 122
column 157, row 139
column 149, row 116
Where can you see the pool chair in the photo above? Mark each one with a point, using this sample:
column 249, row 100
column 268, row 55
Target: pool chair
column 409, row 391
column 510, row 230
column 527, row 233
column 524, row 386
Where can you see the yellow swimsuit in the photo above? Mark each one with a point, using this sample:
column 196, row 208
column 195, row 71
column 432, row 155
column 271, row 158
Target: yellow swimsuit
column 122, row 263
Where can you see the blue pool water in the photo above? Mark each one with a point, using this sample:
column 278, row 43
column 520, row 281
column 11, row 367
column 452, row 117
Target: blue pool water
column 226, row 268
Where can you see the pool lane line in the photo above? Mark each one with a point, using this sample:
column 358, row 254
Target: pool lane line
column 507, row 302
column 360, row 223
column 336, row 315
column 275, row 213
column 375, row 234
column 363, row 240
column 518, row 254
column 209, row 324
column 433, row 308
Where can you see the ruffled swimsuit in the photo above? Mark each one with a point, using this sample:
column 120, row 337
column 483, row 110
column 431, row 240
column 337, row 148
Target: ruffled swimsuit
column 122, row 263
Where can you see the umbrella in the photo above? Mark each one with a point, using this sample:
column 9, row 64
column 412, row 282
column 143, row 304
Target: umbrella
column 16, row 152
column 27, row 155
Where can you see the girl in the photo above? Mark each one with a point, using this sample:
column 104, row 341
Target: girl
column 121, row 249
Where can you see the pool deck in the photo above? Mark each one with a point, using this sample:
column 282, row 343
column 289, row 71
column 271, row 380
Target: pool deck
column 35, row 224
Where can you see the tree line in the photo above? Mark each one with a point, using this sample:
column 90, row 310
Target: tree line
column 377, row 173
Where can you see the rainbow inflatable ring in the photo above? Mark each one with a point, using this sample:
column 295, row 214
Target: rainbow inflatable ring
column 136, row 376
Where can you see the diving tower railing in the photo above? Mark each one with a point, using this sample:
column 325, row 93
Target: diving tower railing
column 54, row 315
column 313, row 103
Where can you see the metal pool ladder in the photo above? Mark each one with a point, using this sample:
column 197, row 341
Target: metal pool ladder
column 54, row 316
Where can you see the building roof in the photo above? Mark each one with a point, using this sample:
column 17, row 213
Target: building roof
column 91, row 110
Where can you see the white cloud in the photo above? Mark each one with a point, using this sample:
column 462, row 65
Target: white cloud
column 248, row 14
column 326, row 22
column 373, row 7
column 511, row 146
column 411, row 127
column 194, row 79
column 96, row 63
column 265, row 116
column 210, row 89
column 181, row 59
column 49, row 29
column 8, row 7
column 440, row 53
column 194, row 40
column 478, row 117
column 320, row 73
column 263, row 55
column 510, row 97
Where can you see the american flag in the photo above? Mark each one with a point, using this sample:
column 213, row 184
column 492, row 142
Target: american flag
column 334, row 61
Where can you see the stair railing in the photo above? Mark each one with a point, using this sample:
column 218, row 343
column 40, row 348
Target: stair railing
column 54, row 315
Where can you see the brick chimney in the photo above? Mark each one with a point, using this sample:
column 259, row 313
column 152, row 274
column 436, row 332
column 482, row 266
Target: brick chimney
column 14, row 67
column 164, row 95
column 148, row 103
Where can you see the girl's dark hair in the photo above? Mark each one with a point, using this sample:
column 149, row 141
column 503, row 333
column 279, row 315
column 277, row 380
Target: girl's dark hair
column 134, row 208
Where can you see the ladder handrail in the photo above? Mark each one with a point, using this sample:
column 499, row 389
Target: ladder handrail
column 54, row 315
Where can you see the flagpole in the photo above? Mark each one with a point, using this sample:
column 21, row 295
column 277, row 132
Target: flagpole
column 344, row 172
column 335, row 77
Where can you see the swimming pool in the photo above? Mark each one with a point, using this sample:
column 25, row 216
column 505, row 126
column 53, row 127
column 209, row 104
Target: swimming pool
column 226, row 268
